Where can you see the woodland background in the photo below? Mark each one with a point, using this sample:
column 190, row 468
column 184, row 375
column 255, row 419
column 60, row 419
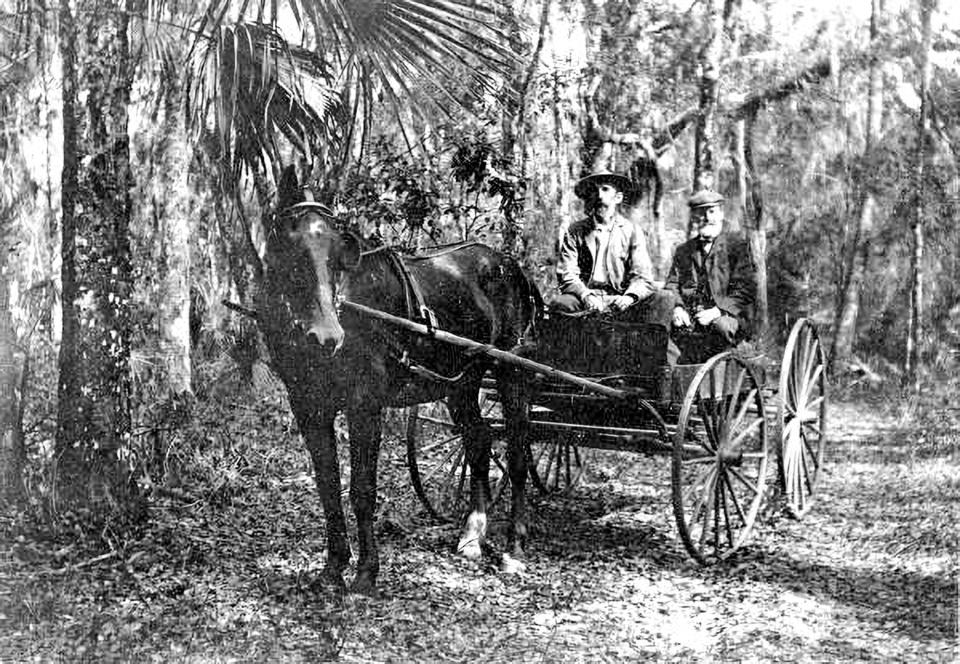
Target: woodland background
column 141, row 144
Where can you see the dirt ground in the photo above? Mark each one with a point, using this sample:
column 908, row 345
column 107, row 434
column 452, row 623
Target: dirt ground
column 869, row 575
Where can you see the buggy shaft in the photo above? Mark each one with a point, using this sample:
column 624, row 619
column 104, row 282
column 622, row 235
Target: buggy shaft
column 497, row 354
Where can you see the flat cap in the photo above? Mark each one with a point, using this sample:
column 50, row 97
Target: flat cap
column 705, row 198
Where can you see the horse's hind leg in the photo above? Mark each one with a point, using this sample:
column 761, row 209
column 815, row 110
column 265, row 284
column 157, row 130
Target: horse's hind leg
column 320, row 439
column 365, row 434
column 476, row 440
column 514, row 399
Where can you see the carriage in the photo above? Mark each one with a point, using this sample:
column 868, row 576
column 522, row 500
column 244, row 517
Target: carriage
column 347, row 320
column 728, row 424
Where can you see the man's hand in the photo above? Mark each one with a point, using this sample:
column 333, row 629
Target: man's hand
column 621, row 302
column 680, row 317
column 593, row 302
column 707, row 316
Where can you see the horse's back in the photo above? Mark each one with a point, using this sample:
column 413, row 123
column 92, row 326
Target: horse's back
column 476, row 291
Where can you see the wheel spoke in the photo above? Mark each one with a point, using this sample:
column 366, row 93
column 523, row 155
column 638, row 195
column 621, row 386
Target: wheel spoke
column 746, row 431
column 742, row 411
column 717, row 498
column 694, row 435
column 736, row 392
column 440, row 443
column 744, row 480
column 443, row 467
column 810, row 385
column 708, row 424
column 736, row 501
column 814, row 405
column 698, row 487
column 726, row 511
column 699, row 460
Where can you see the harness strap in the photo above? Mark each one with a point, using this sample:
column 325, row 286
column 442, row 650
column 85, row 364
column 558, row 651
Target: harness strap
column 417, row 308
column 423, row 372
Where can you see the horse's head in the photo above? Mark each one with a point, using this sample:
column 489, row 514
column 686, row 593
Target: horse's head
column 307, row 250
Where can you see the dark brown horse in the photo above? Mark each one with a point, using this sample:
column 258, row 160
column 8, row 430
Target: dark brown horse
column 333, row 359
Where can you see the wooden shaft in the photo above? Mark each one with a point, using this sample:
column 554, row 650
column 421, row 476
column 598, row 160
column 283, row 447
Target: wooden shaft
column 495, row 353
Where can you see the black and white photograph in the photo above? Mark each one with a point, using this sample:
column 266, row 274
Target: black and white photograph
column 481, row 331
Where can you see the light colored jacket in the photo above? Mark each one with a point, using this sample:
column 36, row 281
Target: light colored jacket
column 628, row 265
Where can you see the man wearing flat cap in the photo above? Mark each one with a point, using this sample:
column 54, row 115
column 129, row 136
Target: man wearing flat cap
column 603, row 264
column 714, row 280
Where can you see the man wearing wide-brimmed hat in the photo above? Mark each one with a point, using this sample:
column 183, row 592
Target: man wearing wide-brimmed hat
column 603, row 264
column 714, row 279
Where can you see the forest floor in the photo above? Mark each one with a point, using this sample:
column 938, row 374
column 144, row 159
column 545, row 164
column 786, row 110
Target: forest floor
column 869, row 575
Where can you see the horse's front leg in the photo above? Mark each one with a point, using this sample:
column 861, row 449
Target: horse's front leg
column 365, row 434
column 317, row 430
column 515, row 401
column 476, row 442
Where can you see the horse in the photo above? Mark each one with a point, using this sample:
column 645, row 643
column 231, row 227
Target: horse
column 332, row 359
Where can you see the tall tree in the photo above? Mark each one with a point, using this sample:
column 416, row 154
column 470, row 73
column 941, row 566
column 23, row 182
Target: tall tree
column 173, row 215
column 915, row 328
column 11, row 435
column 704, row 164
column 93, row 419
column 859, row 246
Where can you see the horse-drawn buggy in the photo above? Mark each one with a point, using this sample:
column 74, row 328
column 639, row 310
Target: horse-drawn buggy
column 354, row 327
column 599, row 383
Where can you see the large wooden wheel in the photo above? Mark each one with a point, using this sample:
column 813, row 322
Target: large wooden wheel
column 802, row 416
column 436, row 458
column 719, row 458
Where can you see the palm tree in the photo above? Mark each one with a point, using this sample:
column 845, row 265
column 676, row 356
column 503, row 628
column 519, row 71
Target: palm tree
column 256, row 87
column 356, row 55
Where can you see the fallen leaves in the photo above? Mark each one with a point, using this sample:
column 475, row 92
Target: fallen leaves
column 869, row 575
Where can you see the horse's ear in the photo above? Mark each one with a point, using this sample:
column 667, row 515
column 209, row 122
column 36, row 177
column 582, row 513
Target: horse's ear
column 288, row 189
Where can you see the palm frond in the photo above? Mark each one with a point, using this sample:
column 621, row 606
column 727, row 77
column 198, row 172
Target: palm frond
column 412, row 54
column 255, row 87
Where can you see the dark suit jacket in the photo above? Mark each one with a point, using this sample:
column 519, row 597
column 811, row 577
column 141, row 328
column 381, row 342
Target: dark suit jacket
column 731, row 274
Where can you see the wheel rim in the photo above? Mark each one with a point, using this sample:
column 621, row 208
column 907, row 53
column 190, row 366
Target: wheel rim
column 436, row 458
column 802, row 416
column 720, row 455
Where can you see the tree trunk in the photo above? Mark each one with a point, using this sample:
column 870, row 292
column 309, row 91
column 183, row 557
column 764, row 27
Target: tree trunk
column 513, row 123
column 93, row 418
column 174, row 305
column 704, row 166
column 858, row 252
column 12, row 455
column 911, row 374
column 846, row 325
column 754, row 222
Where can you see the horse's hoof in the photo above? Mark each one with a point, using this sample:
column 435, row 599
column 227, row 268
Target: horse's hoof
column 511, row 565
column 469, row 548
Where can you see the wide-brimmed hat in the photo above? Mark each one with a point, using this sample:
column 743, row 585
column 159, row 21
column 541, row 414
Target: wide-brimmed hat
column 587, row 185
column 705, row 198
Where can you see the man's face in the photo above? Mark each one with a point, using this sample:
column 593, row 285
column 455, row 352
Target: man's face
column 708, row 221
column 608, row 196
